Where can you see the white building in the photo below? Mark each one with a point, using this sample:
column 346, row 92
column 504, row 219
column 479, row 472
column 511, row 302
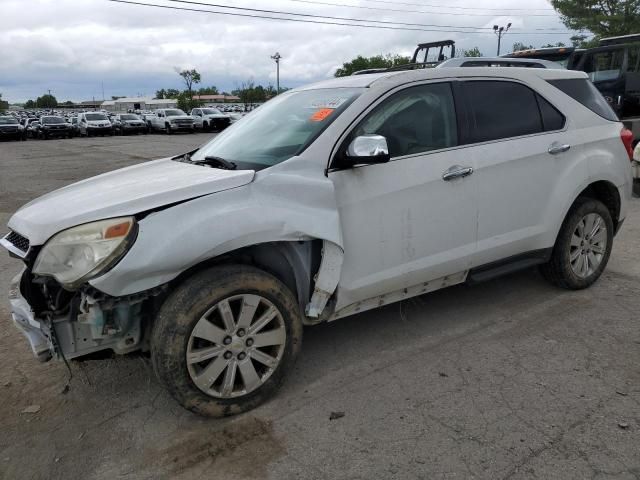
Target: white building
column 128, row 104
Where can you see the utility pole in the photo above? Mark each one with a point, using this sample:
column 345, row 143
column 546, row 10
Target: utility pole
column 500, row 31
column 277, row 58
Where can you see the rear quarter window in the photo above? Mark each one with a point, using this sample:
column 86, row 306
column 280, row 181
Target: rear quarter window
column 583, row 91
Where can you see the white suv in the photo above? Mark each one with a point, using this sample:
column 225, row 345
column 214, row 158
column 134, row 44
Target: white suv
column 329, row 200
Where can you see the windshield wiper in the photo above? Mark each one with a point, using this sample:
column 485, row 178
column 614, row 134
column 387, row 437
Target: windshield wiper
column 217, row 162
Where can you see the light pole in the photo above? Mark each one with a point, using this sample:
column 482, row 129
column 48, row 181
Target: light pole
column 500, row 31
column 277, row 58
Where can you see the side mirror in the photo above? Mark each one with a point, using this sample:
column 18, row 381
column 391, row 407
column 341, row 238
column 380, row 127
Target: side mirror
column 365, row 150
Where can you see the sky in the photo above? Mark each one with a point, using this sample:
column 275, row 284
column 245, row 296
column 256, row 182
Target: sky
column 80, row 48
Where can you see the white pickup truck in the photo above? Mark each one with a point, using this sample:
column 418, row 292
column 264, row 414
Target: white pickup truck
column 171, row 120
column 210, row 119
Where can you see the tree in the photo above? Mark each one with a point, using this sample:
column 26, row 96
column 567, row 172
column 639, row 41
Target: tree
column 46, row 101
column 245, row 92
column 30, row 104
column 212, row 90
column 190, row 77
column 474, row 52
column 519, row 46
column 161, row 94
column 186, row 102
column 365, row 63
column 603, row 18
column 553, row 45
column 583, row 41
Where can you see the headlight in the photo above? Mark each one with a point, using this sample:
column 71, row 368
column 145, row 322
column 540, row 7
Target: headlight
column 80, row 253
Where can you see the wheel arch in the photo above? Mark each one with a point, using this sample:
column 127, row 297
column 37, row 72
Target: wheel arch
column 294, row 263
column 607, row 193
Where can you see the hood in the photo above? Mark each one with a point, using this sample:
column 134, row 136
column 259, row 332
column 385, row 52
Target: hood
column 216, row 115
column 188, row 117
column 100, row 123
column 122, row 192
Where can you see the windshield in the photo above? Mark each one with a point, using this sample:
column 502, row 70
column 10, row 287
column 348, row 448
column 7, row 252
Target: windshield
column 603, row 66
column 129, row 117
column 95, row 116
column 51, row 120
column 281, row 128
column 211, row 111
column 8, row 121
column 174, row 113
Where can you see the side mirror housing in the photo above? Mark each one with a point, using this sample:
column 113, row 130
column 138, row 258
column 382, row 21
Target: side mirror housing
column 364, row 150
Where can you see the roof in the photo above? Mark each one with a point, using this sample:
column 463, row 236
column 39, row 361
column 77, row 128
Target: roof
column 406, row 76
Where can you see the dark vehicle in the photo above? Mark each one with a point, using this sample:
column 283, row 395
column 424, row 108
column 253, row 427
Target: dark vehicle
column 614, row 69
column 129, row 123
column 32, row 127
column 51, row 126
column 11, row 129
column 568, row 57
column 73, row 125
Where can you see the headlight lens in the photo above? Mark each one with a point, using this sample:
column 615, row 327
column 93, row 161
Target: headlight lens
column 80, row 253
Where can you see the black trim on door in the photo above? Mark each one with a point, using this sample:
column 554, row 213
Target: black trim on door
column 509, row 265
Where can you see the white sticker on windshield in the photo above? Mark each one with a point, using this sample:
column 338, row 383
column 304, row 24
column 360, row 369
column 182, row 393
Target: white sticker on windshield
column 331, row 103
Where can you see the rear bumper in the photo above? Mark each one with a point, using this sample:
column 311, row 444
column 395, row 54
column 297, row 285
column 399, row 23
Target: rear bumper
column 37, row 333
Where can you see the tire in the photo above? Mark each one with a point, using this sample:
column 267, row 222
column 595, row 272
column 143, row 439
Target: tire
column 186, row 306
column 205, row 126
column 636, row 187
column 167, row 129
column 560, row 270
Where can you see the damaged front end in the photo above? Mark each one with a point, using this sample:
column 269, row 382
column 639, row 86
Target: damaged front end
column 69, row 324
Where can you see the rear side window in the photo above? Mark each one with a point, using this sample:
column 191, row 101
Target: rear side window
column 502, row 110
column 552, row 119
column 583, row 91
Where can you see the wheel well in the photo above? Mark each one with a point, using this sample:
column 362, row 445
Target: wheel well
column 293, row 263
column 608, row 194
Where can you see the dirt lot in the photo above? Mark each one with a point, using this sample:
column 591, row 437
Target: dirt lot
column 508, row 379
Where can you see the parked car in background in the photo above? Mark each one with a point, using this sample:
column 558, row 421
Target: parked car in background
column 73, row 125
column 210, row 119
column 32, row 127
column 567, row 57
column 53, row 126
column 127, row 123
column 94, row 123
column 172, row 120
column 11, row 129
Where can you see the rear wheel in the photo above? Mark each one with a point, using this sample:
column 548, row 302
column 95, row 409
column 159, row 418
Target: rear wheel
column 224, row 340
column 583, row 246
column 167, row 129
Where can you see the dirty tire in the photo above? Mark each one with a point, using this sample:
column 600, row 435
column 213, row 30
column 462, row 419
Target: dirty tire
column 558, row 270
column 187, row 304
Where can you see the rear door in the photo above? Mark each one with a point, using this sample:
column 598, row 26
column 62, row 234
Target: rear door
column 522, row 149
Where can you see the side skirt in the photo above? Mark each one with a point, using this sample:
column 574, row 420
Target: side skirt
column 509, row 265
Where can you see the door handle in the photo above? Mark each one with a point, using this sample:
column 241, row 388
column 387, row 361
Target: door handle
column 555, row 149
column 457, row 172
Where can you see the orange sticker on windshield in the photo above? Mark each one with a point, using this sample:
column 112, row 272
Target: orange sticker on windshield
column 321, row 114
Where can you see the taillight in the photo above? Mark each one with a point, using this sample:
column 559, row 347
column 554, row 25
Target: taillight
column 627, row 139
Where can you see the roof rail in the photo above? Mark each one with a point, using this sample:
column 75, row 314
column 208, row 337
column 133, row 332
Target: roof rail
column 633, row 38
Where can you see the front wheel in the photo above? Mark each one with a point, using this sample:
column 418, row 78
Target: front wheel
column 583, row 246
column 167, row 129
column 224, row 340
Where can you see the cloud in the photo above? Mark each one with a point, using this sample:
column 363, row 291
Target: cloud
column 74, row 48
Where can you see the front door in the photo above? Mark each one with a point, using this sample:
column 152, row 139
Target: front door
column 414, row 219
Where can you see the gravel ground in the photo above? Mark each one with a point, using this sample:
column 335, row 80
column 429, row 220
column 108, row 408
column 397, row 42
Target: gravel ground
column 508, row 379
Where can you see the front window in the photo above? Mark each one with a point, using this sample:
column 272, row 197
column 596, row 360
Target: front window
column 50, row 120
column 604, row 66
column 8, row 121
column 280, row 129
column 211, row 111
column 174, row 113
column 95, row 116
